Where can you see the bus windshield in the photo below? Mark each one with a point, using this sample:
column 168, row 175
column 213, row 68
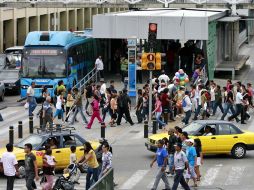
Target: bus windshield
column 38, row 66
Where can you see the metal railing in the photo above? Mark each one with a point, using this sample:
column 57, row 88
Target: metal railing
column 92, row 75
column 106, row 182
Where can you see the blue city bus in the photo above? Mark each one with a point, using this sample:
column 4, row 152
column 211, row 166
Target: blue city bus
column 58, row 55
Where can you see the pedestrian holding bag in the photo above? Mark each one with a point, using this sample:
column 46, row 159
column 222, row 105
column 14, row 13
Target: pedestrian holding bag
column 26, row 106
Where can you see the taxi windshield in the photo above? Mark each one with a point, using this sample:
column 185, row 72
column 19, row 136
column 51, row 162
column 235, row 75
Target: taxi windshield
column 193, row 128
column 35, row 140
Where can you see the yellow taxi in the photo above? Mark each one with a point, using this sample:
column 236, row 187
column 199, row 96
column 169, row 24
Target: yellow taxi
column 217, row 137
column 62, row 141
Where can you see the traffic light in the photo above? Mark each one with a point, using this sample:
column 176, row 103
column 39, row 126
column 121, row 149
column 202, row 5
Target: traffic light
column 158, row 61
column 151, row 61
column 152, row 35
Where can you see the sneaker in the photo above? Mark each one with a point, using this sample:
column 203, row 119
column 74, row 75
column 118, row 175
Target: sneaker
column 170, row 175
column 88, row 128
column 85, row 123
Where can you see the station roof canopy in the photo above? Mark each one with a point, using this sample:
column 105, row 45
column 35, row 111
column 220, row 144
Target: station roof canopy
column 183, row 24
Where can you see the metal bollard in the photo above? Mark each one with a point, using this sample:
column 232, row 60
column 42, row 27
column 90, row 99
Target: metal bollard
column 41, row 121
column 11, row 135
column 31, row 125
column 103, row 127
column 146, row 129
column 154, row 126
column 20, row 130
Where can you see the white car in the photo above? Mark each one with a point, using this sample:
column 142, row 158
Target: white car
column 2, row 91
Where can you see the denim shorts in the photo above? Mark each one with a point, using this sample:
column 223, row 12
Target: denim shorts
column 192, row 173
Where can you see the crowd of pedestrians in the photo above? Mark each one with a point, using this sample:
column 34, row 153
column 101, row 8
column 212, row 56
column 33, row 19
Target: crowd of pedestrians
column 183, row 158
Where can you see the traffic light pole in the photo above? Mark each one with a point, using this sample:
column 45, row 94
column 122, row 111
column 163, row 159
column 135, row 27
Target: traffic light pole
column 150, row 97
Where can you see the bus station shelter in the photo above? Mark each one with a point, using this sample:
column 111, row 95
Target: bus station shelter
column 182, row 24
column 173, row 24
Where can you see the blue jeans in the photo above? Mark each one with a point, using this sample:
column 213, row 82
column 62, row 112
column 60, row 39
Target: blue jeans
column 78, row 109
column 197, row 111
column 216, row 105
column 32, row 104
column 158, row 119
column 228, row 106
column 187, row 117
column 91, row 172
column 59, row 112
column 171, row 162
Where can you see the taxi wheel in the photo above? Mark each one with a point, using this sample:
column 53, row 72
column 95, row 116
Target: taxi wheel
column 21, row 168
column 238, row 151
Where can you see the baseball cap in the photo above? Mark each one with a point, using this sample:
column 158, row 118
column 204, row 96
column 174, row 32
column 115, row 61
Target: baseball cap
column 190, row 140
column 179, row 145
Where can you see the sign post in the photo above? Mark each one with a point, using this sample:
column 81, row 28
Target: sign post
column 132, row 64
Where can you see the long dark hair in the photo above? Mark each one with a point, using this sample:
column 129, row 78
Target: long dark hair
column 88, row 147
column 197, row 143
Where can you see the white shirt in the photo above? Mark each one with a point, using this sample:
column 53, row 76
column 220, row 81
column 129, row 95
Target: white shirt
column 99, row 64
column 9, row 161
column 238, row 98
column 103, row 88
column 73, row 158
column 212, row 94
column 188, row 103
column 59, row 103
column 179, row 160
column 30, row 91
column 163, row 77
column 50, row 160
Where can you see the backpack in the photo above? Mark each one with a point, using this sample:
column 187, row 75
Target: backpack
column 184, row 103
column 208, row 96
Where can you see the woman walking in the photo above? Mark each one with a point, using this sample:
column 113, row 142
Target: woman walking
column 96, row 111
column 69, row 104
column 113, row 110
column 59, row 109
column 90, row 159
column 48, row 169
column 157, row 111
column 198, row 147
column 106, row 159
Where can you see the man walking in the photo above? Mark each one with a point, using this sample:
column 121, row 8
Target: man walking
column 10, row 166
column 180, row 164
column 162, row 158
column 31, row 99
column 186, row 103
column 239, row 107
column 79, row 108
column 171, row 150
column 229, row 103
column 47, row 113
column 124, row 108
column 30, row 167
column 99, row 66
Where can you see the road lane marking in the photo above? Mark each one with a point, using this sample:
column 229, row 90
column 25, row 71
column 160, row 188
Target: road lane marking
column 6, row 129
column 235, row 175
column 8, row 113
column 210, row 176
column 134, row 179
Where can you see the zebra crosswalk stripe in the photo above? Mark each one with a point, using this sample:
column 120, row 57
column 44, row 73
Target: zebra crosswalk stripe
column 235, row 175
column 210, row 176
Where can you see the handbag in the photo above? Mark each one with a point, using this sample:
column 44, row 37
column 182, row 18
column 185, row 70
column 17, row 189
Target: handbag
column 26, row 106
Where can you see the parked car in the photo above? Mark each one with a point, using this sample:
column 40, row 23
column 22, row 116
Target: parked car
column 2, row 91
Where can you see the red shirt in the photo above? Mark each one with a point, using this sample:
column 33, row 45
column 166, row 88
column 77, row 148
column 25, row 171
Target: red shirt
column 164, row 101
